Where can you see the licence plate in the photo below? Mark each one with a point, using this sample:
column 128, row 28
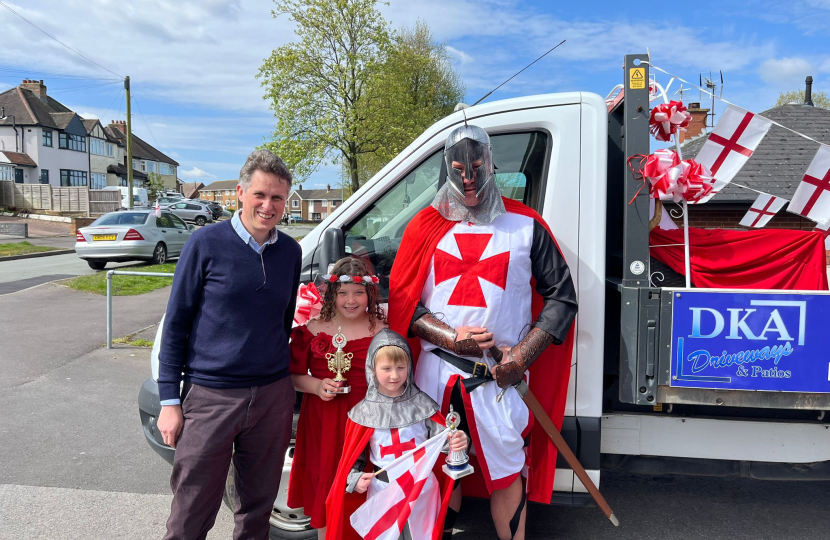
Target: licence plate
column 97, row 237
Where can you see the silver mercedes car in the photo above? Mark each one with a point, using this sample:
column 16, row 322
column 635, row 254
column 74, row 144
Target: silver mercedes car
column 133, row 235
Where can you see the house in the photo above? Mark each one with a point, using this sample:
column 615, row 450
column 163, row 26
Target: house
column 146, row 159
column 191, row 189
column 52, row 137
column 313, row 204
column 43, row 141
column 223, row 192
column 776, row 167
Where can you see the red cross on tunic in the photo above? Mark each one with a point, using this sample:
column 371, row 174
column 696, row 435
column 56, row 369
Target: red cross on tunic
column 763, row 212
column 731, row 144
column 397, row 448
column 821, row 186
column 470, row 267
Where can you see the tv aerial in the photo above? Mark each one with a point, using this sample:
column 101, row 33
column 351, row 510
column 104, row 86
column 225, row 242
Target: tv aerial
column 681, row 91
column 713, row 87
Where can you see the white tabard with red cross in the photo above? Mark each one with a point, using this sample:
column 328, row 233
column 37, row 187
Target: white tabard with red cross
column 480, row 275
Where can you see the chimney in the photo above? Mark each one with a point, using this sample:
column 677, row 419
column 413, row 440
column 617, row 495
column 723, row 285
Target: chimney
column 119, row 124
column 300, row 187
column 35, row 86
column 808, row 91
column 697, row 125
column 328, row 188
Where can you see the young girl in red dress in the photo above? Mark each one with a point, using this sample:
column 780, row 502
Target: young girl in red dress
column 350, row 303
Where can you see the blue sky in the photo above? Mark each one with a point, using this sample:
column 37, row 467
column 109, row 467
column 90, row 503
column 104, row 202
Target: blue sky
column 193, row 62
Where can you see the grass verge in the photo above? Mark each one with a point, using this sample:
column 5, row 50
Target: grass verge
column 22, row 248
column 133, row 342
column 123, row 285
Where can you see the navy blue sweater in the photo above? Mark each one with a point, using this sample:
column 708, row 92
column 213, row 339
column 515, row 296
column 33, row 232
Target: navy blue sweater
column 220, row 331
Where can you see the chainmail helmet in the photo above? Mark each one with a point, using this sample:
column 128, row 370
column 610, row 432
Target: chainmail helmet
column 470, row 146
column 379, row 411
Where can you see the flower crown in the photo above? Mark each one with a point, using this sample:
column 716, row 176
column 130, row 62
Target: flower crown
column 345, row 278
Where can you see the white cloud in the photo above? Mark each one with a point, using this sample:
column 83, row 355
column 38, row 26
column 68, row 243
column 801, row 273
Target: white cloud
column 785, row 73
column 463, row 57
column 195, row 172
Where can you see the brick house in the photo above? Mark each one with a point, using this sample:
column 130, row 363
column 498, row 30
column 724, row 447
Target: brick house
column 313, row 204
column 223, row 192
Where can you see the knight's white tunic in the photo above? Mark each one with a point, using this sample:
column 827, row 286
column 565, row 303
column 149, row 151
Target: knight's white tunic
column 480, row 275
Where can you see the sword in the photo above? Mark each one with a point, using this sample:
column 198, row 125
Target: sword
column 556, row 438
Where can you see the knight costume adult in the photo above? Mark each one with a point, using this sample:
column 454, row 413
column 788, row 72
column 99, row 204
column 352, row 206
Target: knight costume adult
column 492, row 264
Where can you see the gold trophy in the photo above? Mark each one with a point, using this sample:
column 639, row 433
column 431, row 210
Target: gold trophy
column 339, row 362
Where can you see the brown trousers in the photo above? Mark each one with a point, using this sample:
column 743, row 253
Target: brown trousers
column 251, row 424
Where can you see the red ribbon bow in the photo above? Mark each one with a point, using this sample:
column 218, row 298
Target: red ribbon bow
column 667, row 118
column 694, row 181
column 656, row 170
column 309, row 303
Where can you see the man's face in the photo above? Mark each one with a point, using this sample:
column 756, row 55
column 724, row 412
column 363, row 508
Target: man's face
column 263, row 202
column 470, row 180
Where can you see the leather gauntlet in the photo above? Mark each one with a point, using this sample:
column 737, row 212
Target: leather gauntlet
column 439, row 333
column 510, row 373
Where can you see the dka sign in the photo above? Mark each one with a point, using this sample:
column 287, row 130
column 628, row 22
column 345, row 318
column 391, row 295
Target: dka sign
column 751, row 341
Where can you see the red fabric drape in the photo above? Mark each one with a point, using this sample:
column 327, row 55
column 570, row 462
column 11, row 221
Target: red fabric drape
column 753, row 259
column 550, row 374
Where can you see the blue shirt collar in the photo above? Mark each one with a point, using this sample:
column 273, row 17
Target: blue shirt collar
column 246, row 237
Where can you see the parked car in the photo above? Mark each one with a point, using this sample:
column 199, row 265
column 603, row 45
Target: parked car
column 168, row 200
column 132, row 235
column 215, row 207
column 193, row 211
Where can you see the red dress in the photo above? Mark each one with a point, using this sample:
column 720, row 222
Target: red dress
column 321, row 429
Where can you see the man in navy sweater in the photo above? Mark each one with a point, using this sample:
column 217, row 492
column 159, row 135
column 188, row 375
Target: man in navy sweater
column 226, row 336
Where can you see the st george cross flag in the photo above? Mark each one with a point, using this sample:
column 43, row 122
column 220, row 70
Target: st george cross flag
column 730, row 145
column 812, row 198
column 824, row 228
column 762, row 210
column 413, row 495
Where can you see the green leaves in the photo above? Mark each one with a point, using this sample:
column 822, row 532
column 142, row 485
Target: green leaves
column 350, row 90
column 820, row 99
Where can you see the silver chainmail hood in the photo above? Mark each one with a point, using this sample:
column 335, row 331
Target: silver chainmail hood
column 463, row 144
column 383, row 412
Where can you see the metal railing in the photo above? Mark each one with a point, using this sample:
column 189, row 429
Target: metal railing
column 109, row 294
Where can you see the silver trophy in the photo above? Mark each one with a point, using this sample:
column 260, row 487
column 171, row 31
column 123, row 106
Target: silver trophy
column 457, row 462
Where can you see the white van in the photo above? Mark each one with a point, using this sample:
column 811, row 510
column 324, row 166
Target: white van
column 140, row 197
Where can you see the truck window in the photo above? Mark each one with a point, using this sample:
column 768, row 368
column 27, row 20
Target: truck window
column 520, row 160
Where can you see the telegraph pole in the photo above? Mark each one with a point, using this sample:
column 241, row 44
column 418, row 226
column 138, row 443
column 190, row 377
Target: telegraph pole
column 129, row 145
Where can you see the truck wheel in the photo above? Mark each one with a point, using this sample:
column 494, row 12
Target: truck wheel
column 159, row 255
column 286, row 523
column 200, row 220
column 96, row 264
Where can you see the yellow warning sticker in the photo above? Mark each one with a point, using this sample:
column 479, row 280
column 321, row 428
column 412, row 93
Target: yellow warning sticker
column 637, row 78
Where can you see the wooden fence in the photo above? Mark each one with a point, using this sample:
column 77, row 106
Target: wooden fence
column 70, row 200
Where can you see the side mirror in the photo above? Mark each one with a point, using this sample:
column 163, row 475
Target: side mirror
column 332, row 248
column 191, row 227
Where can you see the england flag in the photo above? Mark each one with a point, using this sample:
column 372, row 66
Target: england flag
column 812, row 198
column 730, row 145
column 412, row 495
column 762, row 210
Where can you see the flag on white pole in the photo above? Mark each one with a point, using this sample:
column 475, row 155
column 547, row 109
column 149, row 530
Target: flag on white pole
column 812, row 198
column 732, row 142
column 762, row 210
column 412, row 495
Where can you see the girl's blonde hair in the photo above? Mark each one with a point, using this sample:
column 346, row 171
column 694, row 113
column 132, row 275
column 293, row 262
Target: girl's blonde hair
column 352, row 266
column 395, row 354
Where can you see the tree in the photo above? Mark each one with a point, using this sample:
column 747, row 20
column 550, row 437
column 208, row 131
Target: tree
column 820, row 99
column 418, row 86
column 318, row 86
column 155, row 186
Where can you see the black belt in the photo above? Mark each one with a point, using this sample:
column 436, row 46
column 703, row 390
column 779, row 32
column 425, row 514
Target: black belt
column 479, row 371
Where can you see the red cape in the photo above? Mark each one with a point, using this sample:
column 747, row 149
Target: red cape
column 753, row 259
column 338, row 526
column 549, row 374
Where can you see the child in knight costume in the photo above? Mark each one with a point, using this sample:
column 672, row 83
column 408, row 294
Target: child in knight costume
column 475, row 271
column 393, row 418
